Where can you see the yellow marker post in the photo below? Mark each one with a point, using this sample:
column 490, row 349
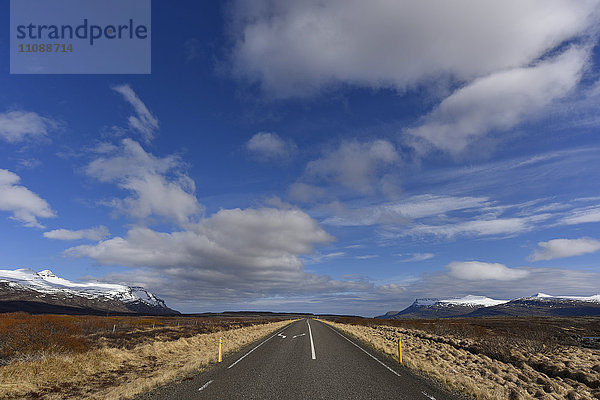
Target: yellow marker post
column 399, row 351
column 220, row 349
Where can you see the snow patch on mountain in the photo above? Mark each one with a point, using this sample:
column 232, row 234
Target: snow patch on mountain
column 540, row 304
column 468, row 301
column 474, row 301
column 540, row 296
column 543, row 296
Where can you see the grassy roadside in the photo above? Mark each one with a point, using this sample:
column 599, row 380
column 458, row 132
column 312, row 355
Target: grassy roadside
column 563, row 372
column 121, row 373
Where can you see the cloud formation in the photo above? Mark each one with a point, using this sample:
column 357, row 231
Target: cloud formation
column 18, row 126
column 234, row 254
column 582, row 216
column 158, row 187
column 97, row 233
column 266, row 146
column 504, row 76
column 449, row 217
column 143, row 121
column 353, row 165
column 366, row 257
column 478, row 271
column 25, row 206
column 299, row 48
column 419, row 257
column 561, row 248
column 402, row 212
column 230, row 239
column 479, row 226
column 500, row 101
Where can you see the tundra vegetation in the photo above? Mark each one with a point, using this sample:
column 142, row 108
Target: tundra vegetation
column 93, row 357
column 494, row 358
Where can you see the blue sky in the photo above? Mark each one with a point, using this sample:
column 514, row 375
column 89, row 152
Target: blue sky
column 338, row 156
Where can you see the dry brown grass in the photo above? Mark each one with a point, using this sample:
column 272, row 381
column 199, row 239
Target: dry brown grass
column 121, row 372
column 26, row 337
column 520, row 370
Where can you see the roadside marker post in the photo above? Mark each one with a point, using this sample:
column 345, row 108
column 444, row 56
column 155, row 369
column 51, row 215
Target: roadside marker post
column 400, row 351
column 220, row 349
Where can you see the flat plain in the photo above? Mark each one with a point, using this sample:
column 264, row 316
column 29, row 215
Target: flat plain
column 121, row 357
column 92, row 357
column 494, row 358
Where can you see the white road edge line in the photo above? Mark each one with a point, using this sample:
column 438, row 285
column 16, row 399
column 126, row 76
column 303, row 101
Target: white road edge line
column 366, row 352
column 265, row 341
column 312, row 344
column 205, row 385
column 428, row 396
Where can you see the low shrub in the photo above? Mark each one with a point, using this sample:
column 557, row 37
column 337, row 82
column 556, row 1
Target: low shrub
column 26, row 336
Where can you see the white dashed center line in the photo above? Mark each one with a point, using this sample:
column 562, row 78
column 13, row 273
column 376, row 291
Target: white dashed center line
column 205, row 385
column 248, row 353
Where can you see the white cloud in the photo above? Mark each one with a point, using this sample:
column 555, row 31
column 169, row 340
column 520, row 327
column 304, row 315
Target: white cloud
column 234, row 254
column 29, row 163
column 480, row 226
column 25, row 206
column 477, row 270
column 320, row 257
column 366, row 257
column 404, row 211
column 298, row 48
column 230, row 239
column 302, row 48
column 157, row 185
column 582, row 216
column 442, row 216
column 267, row 146
column 500, row 100
column 143, row 121
column 419, row 257
column 354, row 165
column 97, row 233
column 560, row 248
column 506, row 178
column 17, row 126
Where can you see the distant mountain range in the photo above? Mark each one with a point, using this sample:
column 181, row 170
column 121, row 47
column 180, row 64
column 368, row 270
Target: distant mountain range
column 539, row 304
column 44, row 292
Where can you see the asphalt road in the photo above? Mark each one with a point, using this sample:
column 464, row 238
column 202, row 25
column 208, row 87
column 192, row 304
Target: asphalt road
column 307, row 359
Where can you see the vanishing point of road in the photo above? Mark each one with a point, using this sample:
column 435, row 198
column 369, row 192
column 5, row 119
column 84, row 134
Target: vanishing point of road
column 305, row 360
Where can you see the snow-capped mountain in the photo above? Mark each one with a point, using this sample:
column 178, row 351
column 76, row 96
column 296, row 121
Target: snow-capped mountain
column 30, row 291
column 444, row 308
column 473, row 301
column 544, row 296
column 540, row 304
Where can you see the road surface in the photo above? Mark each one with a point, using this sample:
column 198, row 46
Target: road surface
column 306, row 360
